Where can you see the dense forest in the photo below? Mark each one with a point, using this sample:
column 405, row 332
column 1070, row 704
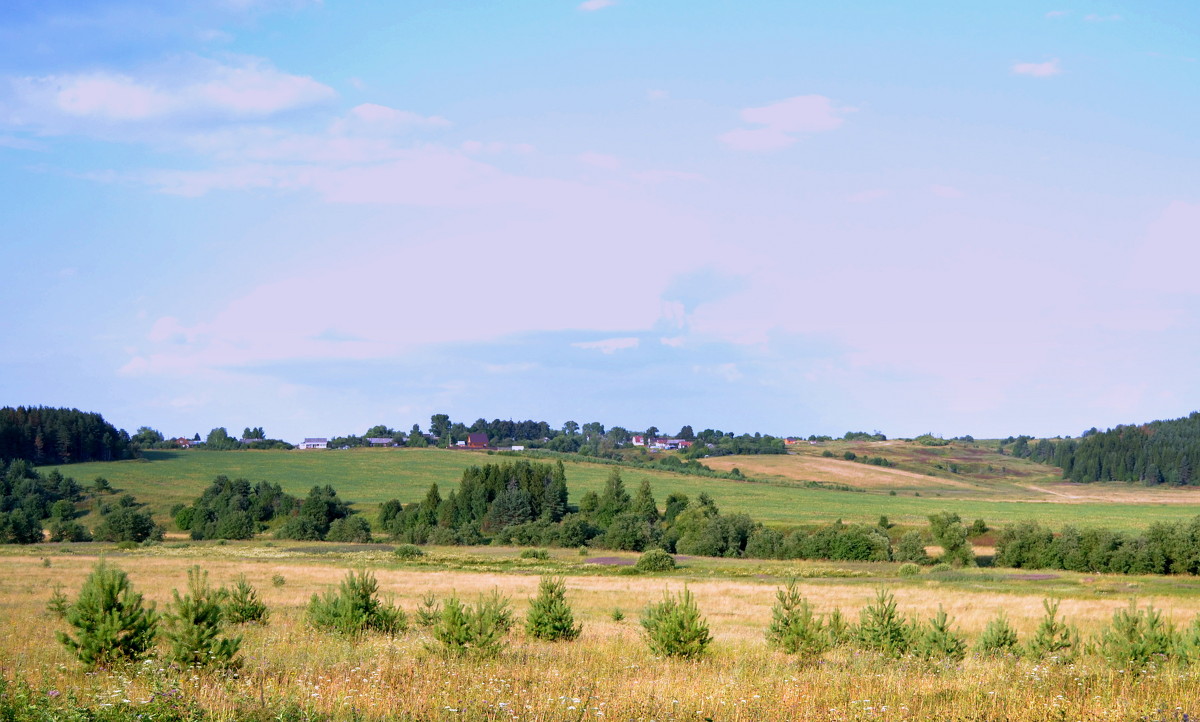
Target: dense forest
column 1164, row 548
column 43, row 435
column 1158, row 452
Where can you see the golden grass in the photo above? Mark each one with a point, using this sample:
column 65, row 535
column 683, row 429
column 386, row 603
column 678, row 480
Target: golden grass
column 606, row 674
column 817, row 468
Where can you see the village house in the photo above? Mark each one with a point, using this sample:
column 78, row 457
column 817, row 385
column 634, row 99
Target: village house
column 380, row 441
column 477, row 440
column 314, row 444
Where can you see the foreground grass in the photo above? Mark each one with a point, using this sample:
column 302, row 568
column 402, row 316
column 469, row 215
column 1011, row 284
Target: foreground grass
column 293, row 672
column 369, row 477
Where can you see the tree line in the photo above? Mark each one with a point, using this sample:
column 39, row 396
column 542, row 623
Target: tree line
column 42, row 435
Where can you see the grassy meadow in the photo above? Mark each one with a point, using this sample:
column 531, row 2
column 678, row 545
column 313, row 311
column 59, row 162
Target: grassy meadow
column 998, row 489
column 293, row 672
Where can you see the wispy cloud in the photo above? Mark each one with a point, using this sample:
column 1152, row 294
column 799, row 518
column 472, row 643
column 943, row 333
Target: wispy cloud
column 194, row 90
column 1094, row 18
column 781, row 123
column 1038, row 70
column 1058, row 14
column 609, row 345
column 593, row 5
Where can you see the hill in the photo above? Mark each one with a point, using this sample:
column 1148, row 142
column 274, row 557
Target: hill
column 777, row 493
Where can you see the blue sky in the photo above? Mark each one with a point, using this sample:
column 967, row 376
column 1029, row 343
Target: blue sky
column 784, row 217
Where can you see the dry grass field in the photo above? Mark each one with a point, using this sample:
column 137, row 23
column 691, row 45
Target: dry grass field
column 606, row 674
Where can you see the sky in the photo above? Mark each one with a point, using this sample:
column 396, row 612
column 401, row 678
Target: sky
column 784, row 217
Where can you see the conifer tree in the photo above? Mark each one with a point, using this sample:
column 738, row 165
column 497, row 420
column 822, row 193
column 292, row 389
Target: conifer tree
column 194, row 623
column 550, row 617
column 111, row 623
column 794, row 628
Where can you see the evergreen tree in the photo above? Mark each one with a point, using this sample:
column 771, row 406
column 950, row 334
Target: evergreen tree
column 794, row 628
column 550, row 617
column 614, row 500
column 194, row 622
column 643, row 503
column 111, row 623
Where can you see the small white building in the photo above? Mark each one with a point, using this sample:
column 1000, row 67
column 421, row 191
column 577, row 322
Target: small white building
column 518, row 448
column 314, row 444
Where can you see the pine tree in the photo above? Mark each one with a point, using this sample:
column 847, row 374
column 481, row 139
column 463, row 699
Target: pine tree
column 644, row 504
column 938, row 640
column 794, row 628
column 614, row 501
column 1137, row 637
column 194, row 623
column 998, row 637
column 110, row 620
column 674, row 627
column 1053, row 638
column 882, row 629
column 550, row 617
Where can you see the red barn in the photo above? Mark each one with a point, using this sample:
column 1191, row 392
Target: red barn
column 477, row 441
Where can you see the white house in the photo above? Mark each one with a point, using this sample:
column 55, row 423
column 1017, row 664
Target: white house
column 314, row 444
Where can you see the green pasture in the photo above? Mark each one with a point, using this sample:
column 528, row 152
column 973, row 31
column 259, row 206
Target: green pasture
column 369, row 477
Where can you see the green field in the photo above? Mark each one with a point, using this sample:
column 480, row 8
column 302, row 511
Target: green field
column 774, row 494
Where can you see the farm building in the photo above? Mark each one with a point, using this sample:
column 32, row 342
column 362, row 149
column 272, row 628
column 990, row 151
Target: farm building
column 477, row 441
column 314, row 444
column 380, row 441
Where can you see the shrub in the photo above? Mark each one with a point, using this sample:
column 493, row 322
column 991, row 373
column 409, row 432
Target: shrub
column 409, row 551
column 353, row 608
column 1137, row 637
column 998, row 637
column 908, row 569
column 535, row 554
column 1053, row 638
column 939, row 641
column 194, row 626
column 278, row 580
column 911, row 549
column 617, row 615
column 674, row 627
column 126, row 524
column 550, row 616
column 478, row 630
column 242, row 604
column 110, row 620
column 655, row 560
column 350, row 529
column 794, row 628
column 881, row 628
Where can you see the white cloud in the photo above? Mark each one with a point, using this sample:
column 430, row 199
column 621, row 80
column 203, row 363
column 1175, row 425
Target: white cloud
column 782, row 121
column 599, row 160
column 727, row 371
column 672, row 341
column 609, row 345
column 1038, row 70
column 942, row 191
column 194, row 89
column 1057, row 13
column 593, row 5
column 370, row 118
column 655, row 94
